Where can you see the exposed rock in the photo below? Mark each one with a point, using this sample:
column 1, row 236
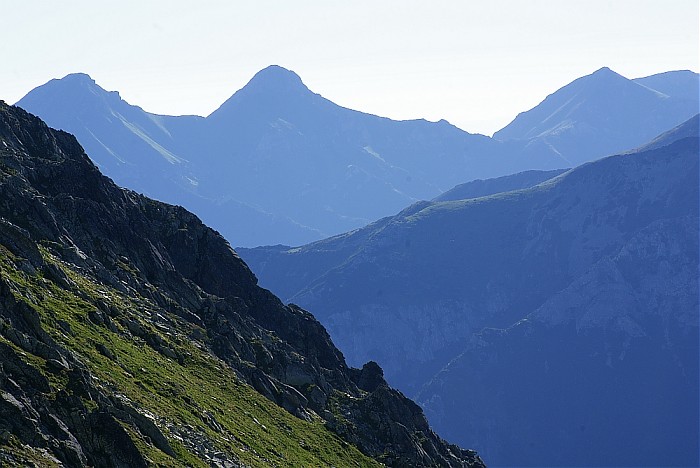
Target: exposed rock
column 157, row 275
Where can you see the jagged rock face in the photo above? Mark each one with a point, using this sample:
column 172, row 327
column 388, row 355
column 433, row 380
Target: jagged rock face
column 68, row 232
column 594, row 250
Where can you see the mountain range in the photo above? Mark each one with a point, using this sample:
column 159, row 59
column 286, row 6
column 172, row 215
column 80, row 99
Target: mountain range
column 132, row 335
column 564, row 314
column 279, row 164
column 522, row 290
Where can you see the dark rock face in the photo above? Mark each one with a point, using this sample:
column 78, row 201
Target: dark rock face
column 53, row 198
column 63, row 426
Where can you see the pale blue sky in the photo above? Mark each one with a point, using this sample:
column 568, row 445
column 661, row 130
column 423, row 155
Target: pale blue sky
column 474, row 63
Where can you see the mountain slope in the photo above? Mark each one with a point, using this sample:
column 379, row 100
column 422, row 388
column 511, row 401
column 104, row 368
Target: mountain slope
column 483, row 188
column 600, row 114
column 687, row 129
column 126, row 141
column 683, row 84
column 277, row 163
column 133, row 335
column 149, row 153
column 608, row 366
column 410, row 291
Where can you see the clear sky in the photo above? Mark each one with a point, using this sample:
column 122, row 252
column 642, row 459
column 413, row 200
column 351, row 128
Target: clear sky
column 474, row 63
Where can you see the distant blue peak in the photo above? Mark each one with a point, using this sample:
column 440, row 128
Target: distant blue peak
column 277, row 72
column 79, row 77
column 276, row 77
column 606, row 72
column 82, row 82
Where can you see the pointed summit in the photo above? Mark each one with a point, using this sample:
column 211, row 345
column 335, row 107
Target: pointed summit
column 273, row 87
column 591, row 117
column 604, row 71
column 64, row 91
column 276, row 77
column 601, row 75
column 274, row 80
column 79, row 77
column 115, row 134
column 76, row 90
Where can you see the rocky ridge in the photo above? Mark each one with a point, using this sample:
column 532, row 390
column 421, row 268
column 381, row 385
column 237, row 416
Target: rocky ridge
column 132, row 334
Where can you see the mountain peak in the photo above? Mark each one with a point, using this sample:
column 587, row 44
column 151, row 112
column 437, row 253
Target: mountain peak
column 69, row 90
column 572, row 105
column 606, row 73
column 272, row 87
column 276, row 78
column 276, row 72
column 603, row 70
column 79, row 77
column 77, row 81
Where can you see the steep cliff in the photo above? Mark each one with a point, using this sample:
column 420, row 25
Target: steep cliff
column 132, row 334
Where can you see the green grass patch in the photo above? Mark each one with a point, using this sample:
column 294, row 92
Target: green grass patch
column 199, row 404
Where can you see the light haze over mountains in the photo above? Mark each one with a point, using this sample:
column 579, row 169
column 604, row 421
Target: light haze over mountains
column 555, row 325
column 521, row 287
column 278, row 164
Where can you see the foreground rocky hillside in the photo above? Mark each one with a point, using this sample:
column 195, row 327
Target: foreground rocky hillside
column 601, row 260
column 132, row 335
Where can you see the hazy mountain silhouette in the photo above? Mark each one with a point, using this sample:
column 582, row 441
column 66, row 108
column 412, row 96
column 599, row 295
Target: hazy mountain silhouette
column 681, row 84
column 295, row 152
column 482, row 188
column 130, row 144
column 146, row 152
column 605, row 113
column 687, row 129
column 277, row 163
column 410, row 291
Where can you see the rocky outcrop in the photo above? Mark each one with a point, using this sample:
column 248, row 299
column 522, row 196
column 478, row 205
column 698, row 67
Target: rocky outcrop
column 183, row 290
column 59, row 426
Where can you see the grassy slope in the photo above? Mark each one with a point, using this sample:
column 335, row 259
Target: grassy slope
column 196, row 401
